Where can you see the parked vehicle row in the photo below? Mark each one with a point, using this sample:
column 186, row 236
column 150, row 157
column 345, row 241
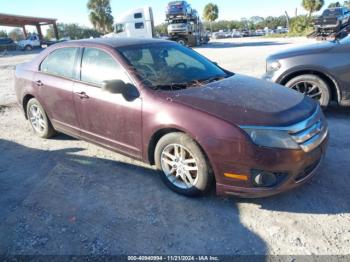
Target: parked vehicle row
column 7, row 43
column 32, row 42
column 247, row 33
column 164, row 104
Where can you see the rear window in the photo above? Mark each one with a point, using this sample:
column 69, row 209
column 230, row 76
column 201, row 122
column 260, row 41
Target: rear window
column 332, row 12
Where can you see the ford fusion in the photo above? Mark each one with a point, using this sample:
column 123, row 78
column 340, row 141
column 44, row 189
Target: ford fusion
column 166, row 105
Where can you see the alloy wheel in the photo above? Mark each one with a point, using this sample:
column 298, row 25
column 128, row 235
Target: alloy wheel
column 309, row 89
column 36, row 118
column 180, row 166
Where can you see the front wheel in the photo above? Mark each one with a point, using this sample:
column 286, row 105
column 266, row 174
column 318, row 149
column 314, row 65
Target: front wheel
column 38, row 119
column 312, row 86
column 182, row 41
column 184, row 167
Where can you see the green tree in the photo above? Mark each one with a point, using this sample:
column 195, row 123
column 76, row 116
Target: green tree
column 312, row 5
column 73, row 31
column 335, row 4
column 3, row 33
column 16, row 34
column 162, row 29
column 301, row 25
column 346, row 4
column 211, row 13
column 101, row 15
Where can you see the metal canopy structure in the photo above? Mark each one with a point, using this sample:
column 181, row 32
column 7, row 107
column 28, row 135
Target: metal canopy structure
column 23, row 21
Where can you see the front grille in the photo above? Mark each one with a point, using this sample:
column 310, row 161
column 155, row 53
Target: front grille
column 310, row 133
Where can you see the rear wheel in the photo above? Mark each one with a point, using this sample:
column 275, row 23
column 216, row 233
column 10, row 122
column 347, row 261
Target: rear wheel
column 312, row 86
column 184, row 167
column 38, row 119
column 28, row 48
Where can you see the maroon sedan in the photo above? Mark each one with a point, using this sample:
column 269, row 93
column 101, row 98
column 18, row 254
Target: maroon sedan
column 165, row 104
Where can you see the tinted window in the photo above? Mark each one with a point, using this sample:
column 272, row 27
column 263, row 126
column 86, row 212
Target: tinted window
column 139, row 25
column 60, row 62
column 138, row 15
column 98, row 66
column 120, row 28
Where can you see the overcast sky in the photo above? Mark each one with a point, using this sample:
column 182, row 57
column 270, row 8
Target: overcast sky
column 75, row 11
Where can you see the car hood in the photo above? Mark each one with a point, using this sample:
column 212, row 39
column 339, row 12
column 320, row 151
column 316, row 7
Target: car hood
column 242, row 100
column 304, row 50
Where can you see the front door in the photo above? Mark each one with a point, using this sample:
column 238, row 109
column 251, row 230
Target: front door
column 106, row 118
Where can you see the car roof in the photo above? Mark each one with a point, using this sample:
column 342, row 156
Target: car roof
column 116, row 42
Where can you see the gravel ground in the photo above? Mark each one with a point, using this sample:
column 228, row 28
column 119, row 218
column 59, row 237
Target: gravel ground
column 65, row 196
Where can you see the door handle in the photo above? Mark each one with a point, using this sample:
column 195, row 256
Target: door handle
column 82, row 95
column 39, row 83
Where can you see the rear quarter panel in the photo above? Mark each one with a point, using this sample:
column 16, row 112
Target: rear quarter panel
column 23, row 82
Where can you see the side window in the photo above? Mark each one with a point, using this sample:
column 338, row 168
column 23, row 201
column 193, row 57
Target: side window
column 60, row 62
column 97, row 66
column 139, row 26
column 119, row 28
column 137, row 15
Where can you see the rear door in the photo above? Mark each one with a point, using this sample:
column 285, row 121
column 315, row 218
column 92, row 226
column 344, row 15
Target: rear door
column 54, row 82
column 106, row 118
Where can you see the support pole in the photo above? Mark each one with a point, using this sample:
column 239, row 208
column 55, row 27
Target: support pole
column 24, row 31
column 55, row 30
column 40, row 34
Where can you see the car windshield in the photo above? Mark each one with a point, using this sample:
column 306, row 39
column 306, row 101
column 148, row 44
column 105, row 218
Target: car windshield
column 170, row 66
column 332, row 12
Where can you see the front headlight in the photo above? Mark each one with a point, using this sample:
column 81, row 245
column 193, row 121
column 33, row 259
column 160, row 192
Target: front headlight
column 271, row 138
column 272, row 66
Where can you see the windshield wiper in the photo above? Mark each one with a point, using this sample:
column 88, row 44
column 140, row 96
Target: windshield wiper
column 172, row 86
column 212, row 79
column 193, row 83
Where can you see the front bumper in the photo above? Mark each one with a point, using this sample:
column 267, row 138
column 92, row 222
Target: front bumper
column 299, row 166
column 289, row 167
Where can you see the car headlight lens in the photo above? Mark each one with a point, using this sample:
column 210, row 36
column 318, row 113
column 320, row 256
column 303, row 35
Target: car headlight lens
column 271, row 138
column 272, row 66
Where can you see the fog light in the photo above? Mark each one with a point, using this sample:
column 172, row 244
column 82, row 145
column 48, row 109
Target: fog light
column 264, row 179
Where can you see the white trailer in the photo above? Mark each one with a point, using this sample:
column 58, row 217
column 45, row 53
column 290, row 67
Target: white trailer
column 135, row 23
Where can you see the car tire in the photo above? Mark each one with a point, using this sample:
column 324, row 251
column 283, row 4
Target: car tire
column 312, row 81
column 28, row 48
column 182, row 41
column 38, row 119
column 188, row 151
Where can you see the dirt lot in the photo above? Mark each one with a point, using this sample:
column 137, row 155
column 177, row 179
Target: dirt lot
column 65, row 196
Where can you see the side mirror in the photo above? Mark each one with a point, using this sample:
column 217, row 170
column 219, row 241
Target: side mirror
column 114, row 86
column 129, row 91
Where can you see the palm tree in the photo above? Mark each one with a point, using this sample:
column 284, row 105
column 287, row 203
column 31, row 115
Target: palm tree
column 335, row 4
column 312, row 5
column 211, row 13
column 101, row 15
